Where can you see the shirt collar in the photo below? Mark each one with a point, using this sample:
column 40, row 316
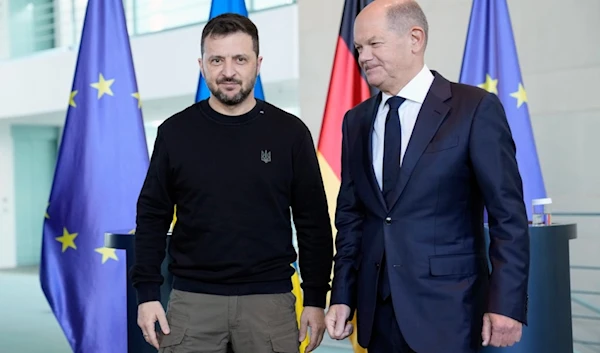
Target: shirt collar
column 416, row 90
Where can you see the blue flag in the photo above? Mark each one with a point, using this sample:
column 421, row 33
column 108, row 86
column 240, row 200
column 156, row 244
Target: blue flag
column 219, row 7
column 490, row 61
column 102, row 162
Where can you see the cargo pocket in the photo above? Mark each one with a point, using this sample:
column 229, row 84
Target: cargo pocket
column 284, row 335
column 171, row 342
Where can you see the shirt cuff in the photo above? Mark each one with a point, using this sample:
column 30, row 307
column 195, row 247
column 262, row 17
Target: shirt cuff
column 147, row 292
column 315, row 297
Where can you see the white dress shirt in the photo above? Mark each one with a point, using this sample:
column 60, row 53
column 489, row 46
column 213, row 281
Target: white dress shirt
column 414, row 93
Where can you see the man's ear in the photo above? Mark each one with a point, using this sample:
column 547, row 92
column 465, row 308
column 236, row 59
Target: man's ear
column 258, row 64
column 201, row 67
column 417, row 35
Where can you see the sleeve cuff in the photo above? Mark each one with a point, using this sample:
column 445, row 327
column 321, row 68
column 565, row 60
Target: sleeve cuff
column 147, row 292
column 337, row 298
column 343, row 295
column 315, row 297
column 517, row 312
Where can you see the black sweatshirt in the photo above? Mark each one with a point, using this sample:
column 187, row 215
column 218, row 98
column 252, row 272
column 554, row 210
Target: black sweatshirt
column 233, row 179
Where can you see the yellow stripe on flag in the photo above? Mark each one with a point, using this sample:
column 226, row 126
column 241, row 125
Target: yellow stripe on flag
column 299, row 306
column 332, row 187
column 354, row 339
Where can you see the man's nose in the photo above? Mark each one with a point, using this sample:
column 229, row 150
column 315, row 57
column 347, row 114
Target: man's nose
column 228, row 68
column 364, row 56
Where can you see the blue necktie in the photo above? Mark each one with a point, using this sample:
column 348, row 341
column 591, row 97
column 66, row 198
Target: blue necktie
column 391, row 148
column 391, row 169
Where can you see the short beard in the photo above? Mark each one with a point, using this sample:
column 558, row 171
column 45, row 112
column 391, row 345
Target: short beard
column 241, row 96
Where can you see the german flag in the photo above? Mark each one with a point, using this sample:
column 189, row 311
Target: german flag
column 347, row 88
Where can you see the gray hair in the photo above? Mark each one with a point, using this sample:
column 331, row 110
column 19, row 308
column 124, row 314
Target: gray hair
column 401, row 17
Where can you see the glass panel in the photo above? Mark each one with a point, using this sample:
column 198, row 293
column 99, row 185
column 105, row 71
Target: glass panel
column 585, row 277
column 35, row 25
column 265, row 4
column 4, row 33
column 65, row 27
column 70, row 17
column 30, row 26
column 158, row 15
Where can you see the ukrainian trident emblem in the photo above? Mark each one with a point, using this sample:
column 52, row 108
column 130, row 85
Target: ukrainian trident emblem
column 265, row 156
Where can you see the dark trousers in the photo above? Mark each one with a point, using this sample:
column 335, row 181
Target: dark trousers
column 386, row 336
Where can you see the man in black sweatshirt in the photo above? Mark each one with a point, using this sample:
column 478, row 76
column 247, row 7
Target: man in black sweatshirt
column 238, row 169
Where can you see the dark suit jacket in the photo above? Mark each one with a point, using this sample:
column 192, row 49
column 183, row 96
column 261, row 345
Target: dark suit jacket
column 461, row 156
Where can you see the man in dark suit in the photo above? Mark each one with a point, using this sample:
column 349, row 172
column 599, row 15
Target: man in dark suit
column 419, row 162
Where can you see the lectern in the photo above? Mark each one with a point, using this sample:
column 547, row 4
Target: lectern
column 549, row 326
column 135, row 339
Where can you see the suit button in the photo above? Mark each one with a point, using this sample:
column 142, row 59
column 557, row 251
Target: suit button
column 377, row 264
column 388, row 220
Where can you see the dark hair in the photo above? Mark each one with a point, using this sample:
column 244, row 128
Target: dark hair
column 230, row 23
column 403, row 16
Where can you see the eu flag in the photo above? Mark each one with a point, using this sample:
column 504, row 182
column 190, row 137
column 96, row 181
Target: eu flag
column 219, row 7
column 490, row 61
column 102, row 162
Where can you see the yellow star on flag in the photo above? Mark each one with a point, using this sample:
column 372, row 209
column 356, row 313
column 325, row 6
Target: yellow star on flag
column 67, row 240
column 520, row 95
column 490, row 85
column 107, row 253
column 103, row 86
column 72, row 99
column 136, row 95
column 47, row 215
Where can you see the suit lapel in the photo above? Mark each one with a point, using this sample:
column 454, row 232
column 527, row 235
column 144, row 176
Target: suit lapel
column 368, row 124
column 433, row 111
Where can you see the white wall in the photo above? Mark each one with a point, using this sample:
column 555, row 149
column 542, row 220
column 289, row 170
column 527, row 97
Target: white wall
column 319, row 23
column 8, row 253
column 165, row 63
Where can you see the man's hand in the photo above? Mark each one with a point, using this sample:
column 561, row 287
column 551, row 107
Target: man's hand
column 148, row 314
column 500, row 331
column 314, row 318
column 336, row 321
